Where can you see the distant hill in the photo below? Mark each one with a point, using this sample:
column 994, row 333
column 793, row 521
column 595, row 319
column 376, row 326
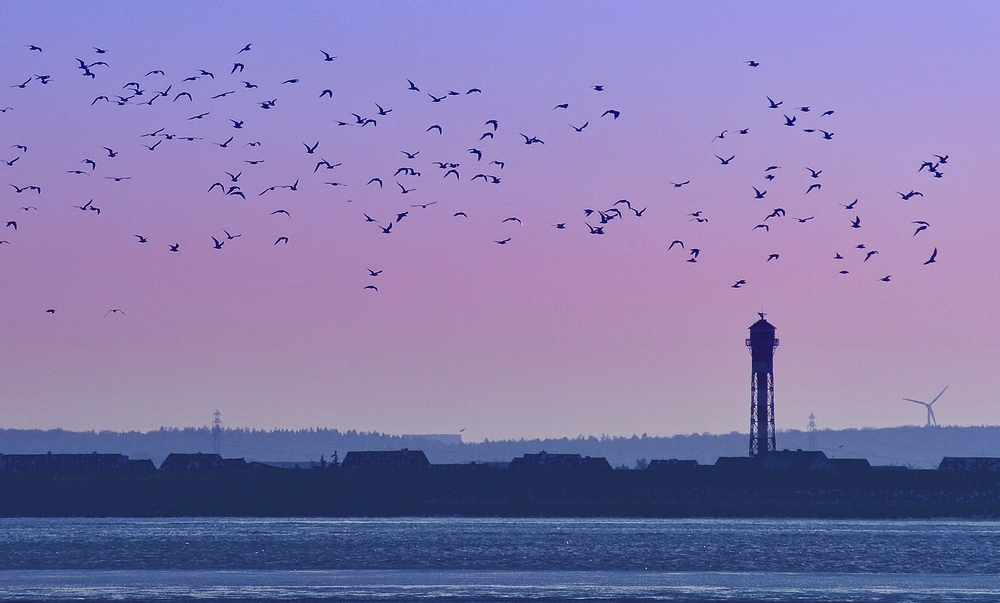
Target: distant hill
column 918, row 447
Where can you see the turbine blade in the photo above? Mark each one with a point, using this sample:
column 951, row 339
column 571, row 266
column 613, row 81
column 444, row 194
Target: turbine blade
column 915, row 401
column 939, row 395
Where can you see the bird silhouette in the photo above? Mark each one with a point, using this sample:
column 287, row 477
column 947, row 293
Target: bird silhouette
column 907, row 196
column 922, row 226
column 772, row 104
column 724, row 161
column 281, row 240
column 933, row 258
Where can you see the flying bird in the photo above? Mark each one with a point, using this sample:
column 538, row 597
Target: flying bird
column 922, row 226
column 933, row 258
column 613, row 113
column 907, row 196
column 724, row 161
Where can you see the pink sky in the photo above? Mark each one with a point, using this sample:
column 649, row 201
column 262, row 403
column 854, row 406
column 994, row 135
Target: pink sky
column 556, row 333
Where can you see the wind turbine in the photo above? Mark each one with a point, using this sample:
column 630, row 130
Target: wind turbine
column 930, row 411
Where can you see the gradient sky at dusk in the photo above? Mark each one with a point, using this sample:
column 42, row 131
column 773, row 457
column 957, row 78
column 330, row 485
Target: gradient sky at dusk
column 558, row 332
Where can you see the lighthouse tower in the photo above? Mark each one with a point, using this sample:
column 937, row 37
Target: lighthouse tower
column 762, row 343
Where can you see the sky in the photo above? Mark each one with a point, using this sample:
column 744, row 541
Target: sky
column 555, row 332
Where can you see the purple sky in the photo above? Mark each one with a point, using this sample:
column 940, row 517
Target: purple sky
column 556, row 333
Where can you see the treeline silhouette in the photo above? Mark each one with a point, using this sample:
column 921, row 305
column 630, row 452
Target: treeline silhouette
column 918, row 447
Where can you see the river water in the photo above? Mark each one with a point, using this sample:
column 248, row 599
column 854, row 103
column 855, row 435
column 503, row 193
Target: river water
column 458, row 559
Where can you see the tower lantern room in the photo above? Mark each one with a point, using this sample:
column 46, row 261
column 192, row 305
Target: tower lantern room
column 762, row 343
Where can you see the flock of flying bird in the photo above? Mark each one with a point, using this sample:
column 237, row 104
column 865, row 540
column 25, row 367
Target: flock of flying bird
column 476, row 164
